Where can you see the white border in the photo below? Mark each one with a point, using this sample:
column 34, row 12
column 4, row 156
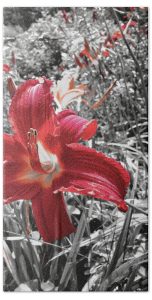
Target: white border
column 85, row 3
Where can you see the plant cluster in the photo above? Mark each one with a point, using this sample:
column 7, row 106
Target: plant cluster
column 95, row 60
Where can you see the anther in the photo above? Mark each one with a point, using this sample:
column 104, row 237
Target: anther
column 35, row 132
column 32, row 136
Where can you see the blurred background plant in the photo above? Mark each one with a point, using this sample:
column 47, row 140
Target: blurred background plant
column 106, row 50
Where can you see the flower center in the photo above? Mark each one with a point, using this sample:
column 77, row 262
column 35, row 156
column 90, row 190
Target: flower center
column 41, row 161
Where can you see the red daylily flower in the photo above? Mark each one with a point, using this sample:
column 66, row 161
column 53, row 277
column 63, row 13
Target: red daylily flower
column 117, row 34
column 88, row 54
column 43, row 159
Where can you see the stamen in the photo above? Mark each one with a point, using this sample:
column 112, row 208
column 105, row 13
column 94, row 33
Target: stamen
column 28, row 136
column 35, row 135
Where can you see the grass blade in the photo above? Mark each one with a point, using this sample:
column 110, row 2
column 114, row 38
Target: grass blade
column 73, row 254
column 121, row 244
column 10, row 262
column 123, row 271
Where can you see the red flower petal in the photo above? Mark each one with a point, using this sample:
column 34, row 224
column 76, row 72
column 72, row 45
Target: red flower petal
column 73, row 128
column 117, row 35
column 6, row 68
column 30, row 106
column 133, row 23
column 123, row 26
column 78, row 62
column 11, row 147
column 86, row 53
column 132, row 8
column 14, row 164
column 11, row 87
column 51, row 217
column 65, row 16
column 86, row 45
column 105, row 53
column 49, row 134
column 91, row 173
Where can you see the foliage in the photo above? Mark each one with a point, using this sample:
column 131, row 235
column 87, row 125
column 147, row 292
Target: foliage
column 109, row 250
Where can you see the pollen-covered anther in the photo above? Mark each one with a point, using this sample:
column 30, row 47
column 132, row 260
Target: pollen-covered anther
column 32, row 136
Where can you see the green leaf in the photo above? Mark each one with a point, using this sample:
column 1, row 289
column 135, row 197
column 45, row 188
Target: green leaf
column 23, row 287
column 47, row 286
column 10, row 262
column 118, row 274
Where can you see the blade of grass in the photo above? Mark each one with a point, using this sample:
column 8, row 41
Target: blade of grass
column 121, row 244
column 23, row 267
column 35, row 266
column 137, row 208
column 104, row 97
column 73, row 253
column 122, row 272
column 131, row 279
column 137, row 152
column 10, row 262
